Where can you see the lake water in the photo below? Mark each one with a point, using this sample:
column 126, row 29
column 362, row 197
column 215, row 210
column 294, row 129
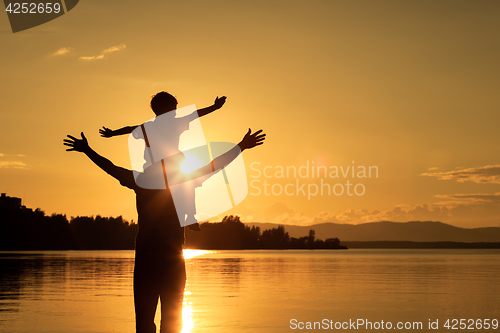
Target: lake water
column 256, row 291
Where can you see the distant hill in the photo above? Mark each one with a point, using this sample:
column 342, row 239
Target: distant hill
column 414, row 231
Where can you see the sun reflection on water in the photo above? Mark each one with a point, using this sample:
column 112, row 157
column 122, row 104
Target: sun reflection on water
column 189, row 254
column 187, row 314
column 187, row 310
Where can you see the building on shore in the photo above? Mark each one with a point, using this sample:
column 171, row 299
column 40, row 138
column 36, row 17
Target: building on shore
column 7, row 202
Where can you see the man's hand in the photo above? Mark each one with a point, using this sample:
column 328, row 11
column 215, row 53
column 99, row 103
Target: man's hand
column 106, row 132
column 219, row 102
column 252, row 140
column 80, row 145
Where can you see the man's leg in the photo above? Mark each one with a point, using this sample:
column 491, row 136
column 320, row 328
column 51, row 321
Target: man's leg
column 172, row 294
column 146, row 294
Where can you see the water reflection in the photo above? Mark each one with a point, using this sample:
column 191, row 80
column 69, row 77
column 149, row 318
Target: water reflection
column 235, row 291
column 86, row 277
column 17, row 271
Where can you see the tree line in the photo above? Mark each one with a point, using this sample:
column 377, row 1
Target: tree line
column 24, row 229
column 232, row 234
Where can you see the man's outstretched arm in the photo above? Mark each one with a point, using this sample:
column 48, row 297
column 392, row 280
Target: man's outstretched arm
column 249, row 141
column 125, row 176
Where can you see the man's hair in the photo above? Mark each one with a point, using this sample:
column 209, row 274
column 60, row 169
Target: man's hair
column 163, row 102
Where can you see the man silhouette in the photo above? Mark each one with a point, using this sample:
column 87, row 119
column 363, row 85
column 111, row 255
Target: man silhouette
column 159, row 270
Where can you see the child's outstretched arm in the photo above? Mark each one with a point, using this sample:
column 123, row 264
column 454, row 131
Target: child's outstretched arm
column 108, row 133
column 219, row 102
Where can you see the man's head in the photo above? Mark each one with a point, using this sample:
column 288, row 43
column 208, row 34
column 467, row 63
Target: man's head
column 163, row 102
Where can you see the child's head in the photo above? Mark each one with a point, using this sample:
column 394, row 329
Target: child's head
column 163, row 102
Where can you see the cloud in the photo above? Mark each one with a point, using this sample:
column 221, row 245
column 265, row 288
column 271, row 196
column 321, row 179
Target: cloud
column 92, row 57
column 108, row 50
column 464, row 210
column 470, row 198
column 17, row 155
column 433, row 168
column 14, row 165
column 115, row 48
column 63, row 50
column 487, row 174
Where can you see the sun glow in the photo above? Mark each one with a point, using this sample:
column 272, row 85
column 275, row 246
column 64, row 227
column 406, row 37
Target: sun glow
column 190, row 164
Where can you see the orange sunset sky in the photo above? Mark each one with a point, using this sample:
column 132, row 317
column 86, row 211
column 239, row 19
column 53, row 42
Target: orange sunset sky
column 411, row 87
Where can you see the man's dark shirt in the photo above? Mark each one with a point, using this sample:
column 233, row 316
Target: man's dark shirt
column 159, row 229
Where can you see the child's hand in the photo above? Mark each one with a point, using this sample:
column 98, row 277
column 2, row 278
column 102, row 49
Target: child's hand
column 106, row 132
column 219, row 102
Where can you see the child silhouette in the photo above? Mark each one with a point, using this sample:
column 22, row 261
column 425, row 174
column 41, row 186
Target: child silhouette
column 169, row 128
